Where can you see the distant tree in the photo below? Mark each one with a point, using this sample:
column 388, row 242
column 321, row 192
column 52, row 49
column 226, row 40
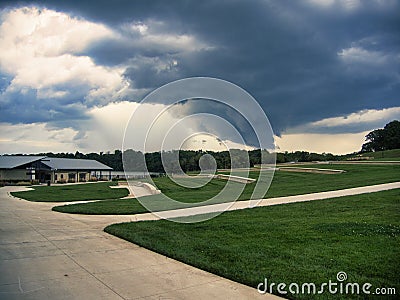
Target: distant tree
column 383, row 139
column 280, row 158
column 255, row 157
column 79, row 155
column 392, row 135
column 133, row 161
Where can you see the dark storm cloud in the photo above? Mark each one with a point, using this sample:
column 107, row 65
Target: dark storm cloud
column 145, row 76
column 25, row 108
column 301, row 61
column 219, row 109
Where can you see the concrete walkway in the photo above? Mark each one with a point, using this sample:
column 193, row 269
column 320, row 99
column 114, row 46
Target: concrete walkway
column 267, row 202
column 99, row 222
column 49, row 255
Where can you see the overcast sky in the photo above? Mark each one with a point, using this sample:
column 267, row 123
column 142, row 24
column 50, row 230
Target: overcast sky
column 72, row 72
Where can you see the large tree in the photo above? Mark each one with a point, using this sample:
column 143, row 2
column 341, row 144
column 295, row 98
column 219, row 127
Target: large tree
column 383, row 139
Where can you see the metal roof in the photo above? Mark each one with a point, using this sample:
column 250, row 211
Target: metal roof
column 56, row 163
column 11, row 161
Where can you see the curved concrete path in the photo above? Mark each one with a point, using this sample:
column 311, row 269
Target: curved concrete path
column 134, row 191
column 49, row 255
column 266, row 202
column 100, row 222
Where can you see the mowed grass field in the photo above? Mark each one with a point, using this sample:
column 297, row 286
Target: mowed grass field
column 283, row 184
column 72, row 192
column 294, row 243
column 391, row 155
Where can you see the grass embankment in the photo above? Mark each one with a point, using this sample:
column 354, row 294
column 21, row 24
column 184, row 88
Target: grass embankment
column 301, row 242
column 72, row 192
column 389, row 155
column 290, row 183
column 283, row 184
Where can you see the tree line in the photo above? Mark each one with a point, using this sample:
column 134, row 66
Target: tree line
column 189, row 159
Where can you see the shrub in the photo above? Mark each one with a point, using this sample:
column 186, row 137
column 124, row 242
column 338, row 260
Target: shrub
column 62, row 181
column 93, row 179
column 118, row 179
column 23, row 183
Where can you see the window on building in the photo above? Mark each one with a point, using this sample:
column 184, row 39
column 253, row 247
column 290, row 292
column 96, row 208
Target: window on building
column 82, row 177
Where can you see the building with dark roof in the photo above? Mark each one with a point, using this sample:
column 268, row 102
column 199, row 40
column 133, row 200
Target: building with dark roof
column 16, row 168
column 43, row 169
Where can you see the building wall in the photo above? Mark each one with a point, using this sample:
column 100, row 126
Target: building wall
column 20, row 175
column 14, row 174
column 76, row 177
column 86, row 176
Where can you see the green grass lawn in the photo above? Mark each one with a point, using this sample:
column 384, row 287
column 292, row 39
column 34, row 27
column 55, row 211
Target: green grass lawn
column 132, row 206
column 386, row 159
column 300, row 242
column 104, row 207
column 75, row 192
column 283, row 184
column 384, row 155
column 291, row 183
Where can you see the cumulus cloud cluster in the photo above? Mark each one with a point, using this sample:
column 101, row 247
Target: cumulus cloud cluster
column 50, row 79
column 40, row 54
column 49, row 74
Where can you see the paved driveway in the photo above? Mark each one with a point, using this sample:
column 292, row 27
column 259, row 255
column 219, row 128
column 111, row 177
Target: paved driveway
column 49, row 255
